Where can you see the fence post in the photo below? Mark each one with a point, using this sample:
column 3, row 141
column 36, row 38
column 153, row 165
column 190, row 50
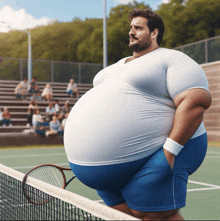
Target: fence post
column 206, row 51
column 80, row 73
column 21, row 69
column 51, row 70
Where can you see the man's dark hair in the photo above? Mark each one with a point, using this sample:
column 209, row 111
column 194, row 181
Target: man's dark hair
column 154, row 21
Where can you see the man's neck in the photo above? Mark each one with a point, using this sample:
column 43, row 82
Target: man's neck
column 141, row 53
column 146, row 51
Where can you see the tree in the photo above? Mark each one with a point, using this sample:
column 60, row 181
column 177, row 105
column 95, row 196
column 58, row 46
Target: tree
column 189, row 21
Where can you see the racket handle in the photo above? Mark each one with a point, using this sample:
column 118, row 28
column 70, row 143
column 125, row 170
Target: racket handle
column 70, row 181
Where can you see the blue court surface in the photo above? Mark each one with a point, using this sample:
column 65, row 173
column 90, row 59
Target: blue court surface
column 203, row 196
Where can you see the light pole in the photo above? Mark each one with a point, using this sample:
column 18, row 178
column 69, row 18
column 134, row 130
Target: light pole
column 29, row 50
column 105, row 44
column 29, row 56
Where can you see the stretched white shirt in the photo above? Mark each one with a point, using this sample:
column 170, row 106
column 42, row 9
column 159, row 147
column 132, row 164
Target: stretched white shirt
column 129, row 112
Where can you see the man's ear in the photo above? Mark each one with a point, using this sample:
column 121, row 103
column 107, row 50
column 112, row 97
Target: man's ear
column 155, row 33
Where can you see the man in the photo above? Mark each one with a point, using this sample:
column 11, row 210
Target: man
column 64, row 110
column 24, row 85
column 18, row 91
column 138, row 134
column 33, row 88
column 6, row 117
column 72, row 88
column 47, row 93
column 55, row 126
column 50, row 111
column 21, row 89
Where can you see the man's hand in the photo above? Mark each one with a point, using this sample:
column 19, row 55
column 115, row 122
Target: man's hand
column 170, row 157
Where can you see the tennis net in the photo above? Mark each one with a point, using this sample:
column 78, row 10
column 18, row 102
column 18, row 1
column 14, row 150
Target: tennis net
column 63, row 205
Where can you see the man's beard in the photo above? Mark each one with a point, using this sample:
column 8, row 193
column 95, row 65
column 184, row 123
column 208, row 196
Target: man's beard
column 140, row 46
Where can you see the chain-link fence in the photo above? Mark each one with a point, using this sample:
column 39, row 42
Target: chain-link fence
column 48, row 71
column 204, row 51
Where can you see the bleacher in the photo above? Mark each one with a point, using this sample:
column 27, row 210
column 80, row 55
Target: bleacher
column 12, row 135
column 18, row 109
column 212, row 115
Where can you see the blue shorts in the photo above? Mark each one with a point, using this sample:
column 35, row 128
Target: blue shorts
column 148, row 184
column 69, row 92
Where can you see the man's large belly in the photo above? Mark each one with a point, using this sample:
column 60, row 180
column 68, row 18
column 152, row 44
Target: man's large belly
column 115, row 123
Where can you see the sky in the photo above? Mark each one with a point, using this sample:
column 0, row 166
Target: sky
column 27, row 14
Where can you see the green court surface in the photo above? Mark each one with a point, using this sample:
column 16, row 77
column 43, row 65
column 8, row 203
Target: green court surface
column 203, row 194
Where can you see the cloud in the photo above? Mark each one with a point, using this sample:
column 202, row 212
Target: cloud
column 165, row 1
column 123, row 1
column 20, row 20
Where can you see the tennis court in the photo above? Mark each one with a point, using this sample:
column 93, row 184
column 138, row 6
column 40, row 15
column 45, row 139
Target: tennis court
column 203, row 199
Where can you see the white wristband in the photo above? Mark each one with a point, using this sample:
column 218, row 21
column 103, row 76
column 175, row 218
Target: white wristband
column 172, row 146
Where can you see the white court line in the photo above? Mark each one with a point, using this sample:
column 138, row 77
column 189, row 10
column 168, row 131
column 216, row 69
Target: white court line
column 211, row 186
column 33, row 155
column 201, row 189
column 204, row 184
column 30, row 167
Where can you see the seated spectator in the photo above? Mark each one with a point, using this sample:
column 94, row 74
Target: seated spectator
column 64, row 110
column 36, row 97
column 1, row 118
column 38, row 123
column 55, row 126
column 50, row 111
column 6, row 117
column 47, row 93
column 24, row 84
column 33, row 88
column 18, row 91
column 63, row 125
column 57, row 107
column 37, row 119
column 31, row 110
column 72, row 88
column 21, row 89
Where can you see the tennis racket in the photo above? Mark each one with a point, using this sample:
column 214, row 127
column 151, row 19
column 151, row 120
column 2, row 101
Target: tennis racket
column 47, row 173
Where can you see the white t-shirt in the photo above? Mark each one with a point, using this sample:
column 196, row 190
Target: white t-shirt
column 64, row 122
column 57, row 107
column 71, row 86
column 50, row 110
column 129, row 113
column 46, row 91
column 36, row 117
column 24, row 85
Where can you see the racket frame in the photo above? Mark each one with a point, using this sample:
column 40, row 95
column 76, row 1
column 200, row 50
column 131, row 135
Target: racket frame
column 43, row 165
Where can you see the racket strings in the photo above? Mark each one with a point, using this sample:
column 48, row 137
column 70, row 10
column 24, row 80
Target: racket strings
column 47, row 174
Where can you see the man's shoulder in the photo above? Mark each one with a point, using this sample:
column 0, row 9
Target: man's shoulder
column 168, row 55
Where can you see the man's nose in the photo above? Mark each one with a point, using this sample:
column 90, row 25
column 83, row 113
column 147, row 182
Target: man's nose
column 131, row 32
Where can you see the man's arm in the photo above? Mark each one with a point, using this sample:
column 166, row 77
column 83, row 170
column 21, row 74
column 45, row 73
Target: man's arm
column 17, row 87
column 190, row 107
